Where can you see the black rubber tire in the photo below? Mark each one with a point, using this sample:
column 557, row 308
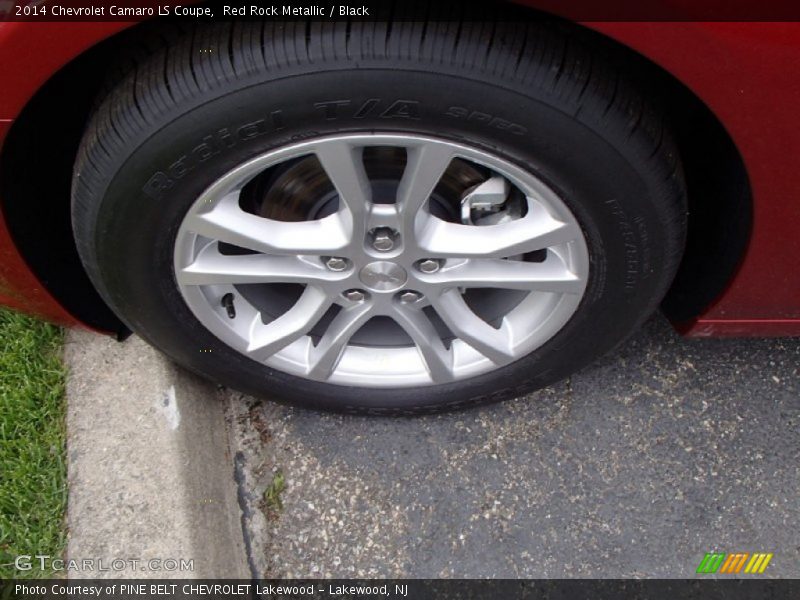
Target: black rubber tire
column 543, row 95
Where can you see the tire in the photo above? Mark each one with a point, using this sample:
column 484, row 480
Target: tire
column 542, row 98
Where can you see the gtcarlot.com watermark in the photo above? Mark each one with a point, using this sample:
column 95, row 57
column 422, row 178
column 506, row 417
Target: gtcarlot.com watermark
column 45, row 562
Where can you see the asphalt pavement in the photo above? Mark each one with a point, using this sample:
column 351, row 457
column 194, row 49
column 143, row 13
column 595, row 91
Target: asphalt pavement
column 634, row 467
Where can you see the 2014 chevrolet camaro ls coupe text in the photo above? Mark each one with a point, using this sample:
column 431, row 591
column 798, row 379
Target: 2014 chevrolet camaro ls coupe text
column 400, row 216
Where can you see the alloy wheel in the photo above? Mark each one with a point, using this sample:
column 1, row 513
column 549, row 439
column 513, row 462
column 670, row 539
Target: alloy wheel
column 381, row 260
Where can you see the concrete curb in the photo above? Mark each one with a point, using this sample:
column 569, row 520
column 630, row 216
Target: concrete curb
column 149, row 465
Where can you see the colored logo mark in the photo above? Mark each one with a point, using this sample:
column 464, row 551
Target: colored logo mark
column 719, row 562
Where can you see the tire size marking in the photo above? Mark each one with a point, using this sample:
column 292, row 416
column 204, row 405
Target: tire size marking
column 632, row 262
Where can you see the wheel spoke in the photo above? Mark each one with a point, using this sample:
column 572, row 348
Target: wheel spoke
column 493, row 343
column 227, row 222
column 552, row 275
column 425, row 165
column 343, row 163
column 210, row 267
column 537, row 230
column 268, row 338
column 324, row 357
column 438, row 359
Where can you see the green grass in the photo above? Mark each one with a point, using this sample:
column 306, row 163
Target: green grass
column 33, row 491
column 273, row 503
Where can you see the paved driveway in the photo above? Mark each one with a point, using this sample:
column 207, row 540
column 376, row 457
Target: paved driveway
column 636, row 466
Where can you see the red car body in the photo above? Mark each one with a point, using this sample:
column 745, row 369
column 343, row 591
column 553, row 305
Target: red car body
column 745, row 73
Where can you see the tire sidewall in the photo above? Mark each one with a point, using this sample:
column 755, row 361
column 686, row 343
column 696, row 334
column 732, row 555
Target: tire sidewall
column 622, row 208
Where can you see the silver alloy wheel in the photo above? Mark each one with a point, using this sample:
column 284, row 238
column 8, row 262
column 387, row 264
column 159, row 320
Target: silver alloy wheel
column 381, row 283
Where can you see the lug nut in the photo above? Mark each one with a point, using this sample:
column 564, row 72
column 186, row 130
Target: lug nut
column 428, row 265
column 409, row 297
column 383, row 239
column 354, row 295
column 335, row 263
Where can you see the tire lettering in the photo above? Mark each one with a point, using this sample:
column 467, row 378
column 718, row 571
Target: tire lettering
column 157, row 185
column 483, row 118
column 632, row 263
column 210, row 146
column 402, row 109
column 331, row 108
column 456, row 111
column 399, row 109
column 366, row 108
column 252, row 130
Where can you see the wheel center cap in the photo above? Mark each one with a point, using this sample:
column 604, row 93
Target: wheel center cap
column 383, row 276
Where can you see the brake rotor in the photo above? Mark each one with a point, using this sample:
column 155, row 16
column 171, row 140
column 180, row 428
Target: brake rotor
column 302, row 191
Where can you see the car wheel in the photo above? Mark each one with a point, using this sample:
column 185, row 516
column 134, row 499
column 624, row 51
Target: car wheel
column 346, row 219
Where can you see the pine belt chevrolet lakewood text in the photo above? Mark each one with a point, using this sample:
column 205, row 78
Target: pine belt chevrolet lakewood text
column 400, row 216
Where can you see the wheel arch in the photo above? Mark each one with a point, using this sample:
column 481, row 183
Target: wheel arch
column 36, row 208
